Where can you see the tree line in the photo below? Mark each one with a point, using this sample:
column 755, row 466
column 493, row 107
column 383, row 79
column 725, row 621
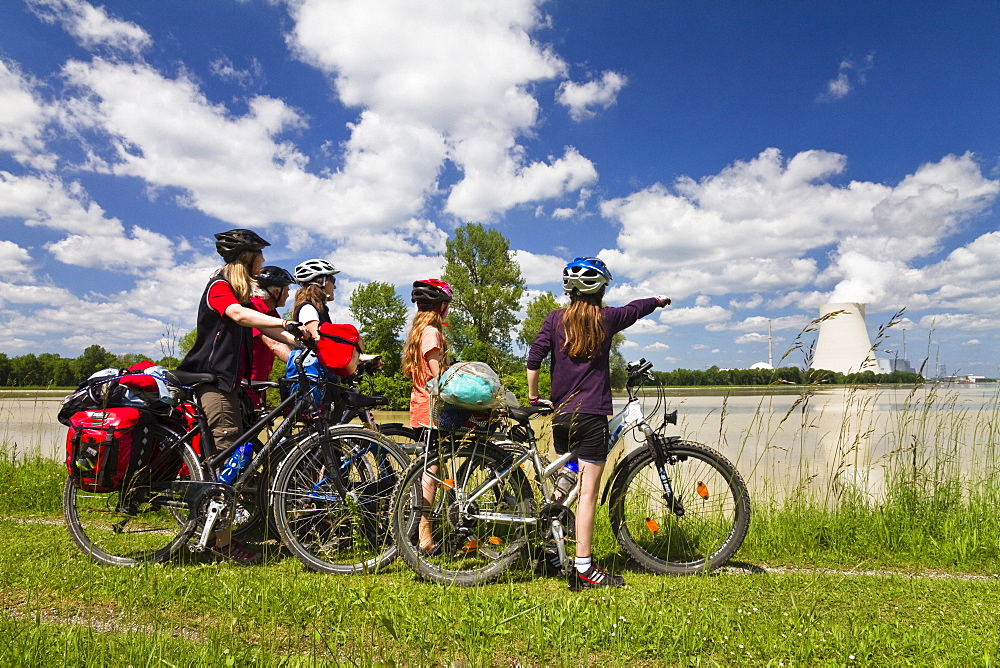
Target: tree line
column 49, row 370
column 488, row 287
column 792, row 375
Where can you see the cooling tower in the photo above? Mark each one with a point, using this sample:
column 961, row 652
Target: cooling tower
column 843, row 344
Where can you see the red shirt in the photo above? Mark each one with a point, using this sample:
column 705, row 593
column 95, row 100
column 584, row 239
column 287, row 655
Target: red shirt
column 263, row 358
column 220, row 297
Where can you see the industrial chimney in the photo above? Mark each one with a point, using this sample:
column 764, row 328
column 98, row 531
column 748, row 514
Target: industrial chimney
column 843, row 344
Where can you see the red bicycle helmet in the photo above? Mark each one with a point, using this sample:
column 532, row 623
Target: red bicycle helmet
column 430, row 292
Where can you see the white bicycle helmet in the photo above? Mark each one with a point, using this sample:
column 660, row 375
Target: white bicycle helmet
column 586, row 275
column 310, row 270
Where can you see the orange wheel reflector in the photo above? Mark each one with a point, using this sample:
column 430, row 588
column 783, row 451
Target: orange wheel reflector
column 652, row 525
column 702, row 490
column 495, row 540
column 447, row 484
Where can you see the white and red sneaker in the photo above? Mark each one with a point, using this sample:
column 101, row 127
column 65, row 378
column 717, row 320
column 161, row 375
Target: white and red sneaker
column 594, row 577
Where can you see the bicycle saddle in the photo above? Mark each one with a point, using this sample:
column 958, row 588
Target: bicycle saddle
column 189, row 378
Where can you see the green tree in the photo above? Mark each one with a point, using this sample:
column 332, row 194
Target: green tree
column 382, row 314
column 26, row 370
column 537, row 310
column 617, row 362
column 186, row 342
column 57, row 372
column 488, row 286
column 94, row 358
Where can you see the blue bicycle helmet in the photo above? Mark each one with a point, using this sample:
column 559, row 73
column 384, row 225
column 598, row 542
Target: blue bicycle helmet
column 586, row 275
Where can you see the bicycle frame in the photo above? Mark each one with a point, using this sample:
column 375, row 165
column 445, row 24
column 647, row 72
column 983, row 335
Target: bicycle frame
column 299, row 403
column 629, row 417
column 497, row 495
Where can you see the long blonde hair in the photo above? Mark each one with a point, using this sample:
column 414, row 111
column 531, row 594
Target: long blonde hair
column 583, row 325
column 310, row 294
column 411, row 349
column 237, row 273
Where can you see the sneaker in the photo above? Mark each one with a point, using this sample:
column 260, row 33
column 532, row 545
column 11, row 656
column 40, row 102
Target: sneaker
column 548, row 564
column 236, row 553
column 593, row 578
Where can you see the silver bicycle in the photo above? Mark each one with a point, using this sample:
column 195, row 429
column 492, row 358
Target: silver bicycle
column 676, row 507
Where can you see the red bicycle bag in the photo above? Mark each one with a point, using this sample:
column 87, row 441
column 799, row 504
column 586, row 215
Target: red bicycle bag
column 102, row 445
column 339, row 348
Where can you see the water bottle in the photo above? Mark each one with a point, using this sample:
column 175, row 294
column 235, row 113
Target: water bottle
column 566, row 481
column 235, row 463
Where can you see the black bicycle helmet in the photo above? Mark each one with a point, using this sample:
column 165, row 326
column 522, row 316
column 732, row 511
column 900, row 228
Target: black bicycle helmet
column 273, row 277
column 430, row 292
column 230, row 244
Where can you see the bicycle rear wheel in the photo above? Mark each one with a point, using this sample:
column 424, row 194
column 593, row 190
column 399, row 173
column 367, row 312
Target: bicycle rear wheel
column 331, row 499
column 127, row 528
column 696, row 530
column 474, row 542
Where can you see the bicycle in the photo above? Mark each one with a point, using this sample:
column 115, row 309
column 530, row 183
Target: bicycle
column 333, row 514
column 174, row 495
column 676, row 507
column 341, row 404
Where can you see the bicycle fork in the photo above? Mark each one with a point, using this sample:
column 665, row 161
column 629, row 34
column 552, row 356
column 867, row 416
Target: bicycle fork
column 657, row 447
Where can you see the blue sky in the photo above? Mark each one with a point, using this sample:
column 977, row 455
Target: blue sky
column 754, row 161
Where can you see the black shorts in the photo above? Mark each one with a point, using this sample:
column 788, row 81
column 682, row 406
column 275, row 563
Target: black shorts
column 585, row 432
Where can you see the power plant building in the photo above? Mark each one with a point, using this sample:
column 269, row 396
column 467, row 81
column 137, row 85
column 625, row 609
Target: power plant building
column 843, row 344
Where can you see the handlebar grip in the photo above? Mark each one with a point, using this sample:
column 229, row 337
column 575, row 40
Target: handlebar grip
column 369, row 366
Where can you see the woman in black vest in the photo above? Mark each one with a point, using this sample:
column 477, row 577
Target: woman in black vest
column 223, row 347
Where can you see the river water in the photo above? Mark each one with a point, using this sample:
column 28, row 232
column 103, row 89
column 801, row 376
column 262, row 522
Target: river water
column 782, row 443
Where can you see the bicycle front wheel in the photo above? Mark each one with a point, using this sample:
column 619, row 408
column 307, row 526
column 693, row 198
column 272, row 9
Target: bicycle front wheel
column 146, row 523
column 474, row 540
column 331, row 499
column 695, row 529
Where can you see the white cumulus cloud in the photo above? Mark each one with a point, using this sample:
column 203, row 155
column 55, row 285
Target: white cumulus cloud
column 92, row 26
column 582, row 98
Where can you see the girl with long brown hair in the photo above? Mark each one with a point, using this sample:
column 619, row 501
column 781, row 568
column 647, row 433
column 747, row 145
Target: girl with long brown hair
column 579, row 340
column 425, row 356
column 317, row 281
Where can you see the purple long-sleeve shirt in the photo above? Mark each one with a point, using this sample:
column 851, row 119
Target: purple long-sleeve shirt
column 583, row 384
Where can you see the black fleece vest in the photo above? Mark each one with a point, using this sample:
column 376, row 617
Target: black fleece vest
column 221, row 345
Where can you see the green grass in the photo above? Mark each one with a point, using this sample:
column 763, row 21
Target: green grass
column 60, row 608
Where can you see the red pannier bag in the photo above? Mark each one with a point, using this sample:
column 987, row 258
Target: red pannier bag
column 102, row 445
column 339, row 348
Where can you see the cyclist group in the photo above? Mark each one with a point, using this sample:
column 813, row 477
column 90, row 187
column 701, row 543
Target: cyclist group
column 239, row 333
